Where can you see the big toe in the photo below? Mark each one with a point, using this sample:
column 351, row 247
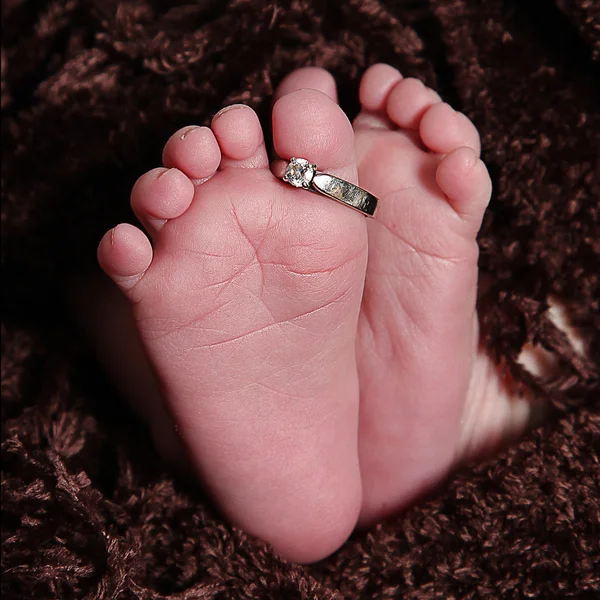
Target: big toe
column 308, row 78
column 309, row 124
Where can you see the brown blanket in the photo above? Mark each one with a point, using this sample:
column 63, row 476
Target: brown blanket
column 90, row 92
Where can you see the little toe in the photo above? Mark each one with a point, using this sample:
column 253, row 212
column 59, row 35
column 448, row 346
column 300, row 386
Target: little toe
column 125, row 253
column 308, row 78
column 194, row 151
column 375, row 87
column 465, row 180
column 443, row 129
column 408, row 102
column 309, row 124
column 161, row 194
column 240, row 136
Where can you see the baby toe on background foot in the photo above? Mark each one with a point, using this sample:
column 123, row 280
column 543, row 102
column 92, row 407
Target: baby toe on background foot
column 464, row 179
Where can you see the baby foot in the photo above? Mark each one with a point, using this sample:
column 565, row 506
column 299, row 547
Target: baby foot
column 247, row 304
column 426, row 392
column 418, row 332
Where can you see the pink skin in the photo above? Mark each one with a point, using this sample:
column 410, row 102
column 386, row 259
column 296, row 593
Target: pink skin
column 421, row 379
column 418, row 331
column 252, row 311
column 247, row 307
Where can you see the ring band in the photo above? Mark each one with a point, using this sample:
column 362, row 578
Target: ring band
column 301, row 173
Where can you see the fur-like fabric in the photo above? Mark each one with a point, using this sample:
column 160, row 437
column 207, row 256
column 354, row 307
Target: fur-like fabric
column 90, row 92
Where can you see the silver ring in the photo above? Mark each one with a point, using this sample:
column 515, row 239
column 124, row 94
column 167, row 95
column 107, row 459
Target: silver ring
column 301, row 173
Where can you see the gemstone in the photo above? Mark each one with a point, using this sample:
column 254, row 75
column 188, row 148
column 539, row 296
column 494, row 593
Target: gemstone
column 300, row 172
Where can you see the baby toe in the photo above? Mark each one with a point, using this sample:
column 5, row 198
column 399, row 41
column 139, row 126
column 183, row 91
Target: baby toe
column 308, row 78
column 159, row 195
column 408, row 101
column 125, row 253
column 375, row 87
column 194, row 151
column 309, row 124
column 240, row 136
column 465, row 180
column 443, row 129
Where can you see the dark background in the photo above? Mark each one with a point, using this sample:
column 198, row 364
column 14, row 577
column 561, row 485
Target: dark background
column 90, row 92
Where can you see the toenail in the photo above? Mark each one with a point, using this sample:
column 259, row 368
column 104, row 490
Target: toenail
column 227, row 109
column 188, row 131
column 473, row 158
column 166, row 171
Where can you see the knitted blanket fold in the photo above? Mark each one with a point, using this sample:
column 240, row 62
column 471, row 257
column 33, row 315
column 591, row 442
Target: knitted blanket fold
column 91, row 90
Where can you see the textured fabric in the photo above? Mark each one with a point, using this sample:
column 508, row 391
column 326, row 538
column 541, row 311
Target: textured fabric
column 90, row 92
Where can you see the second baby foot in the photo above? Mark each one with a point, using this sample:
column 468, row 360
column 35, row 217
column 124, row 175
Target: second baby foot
column 429, row 397
column 418, row 332
column 247, row 303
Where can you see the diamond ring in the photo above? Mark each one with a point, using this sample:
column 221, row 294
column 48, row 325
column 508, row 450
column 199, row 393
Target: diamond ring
column 301, row 173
